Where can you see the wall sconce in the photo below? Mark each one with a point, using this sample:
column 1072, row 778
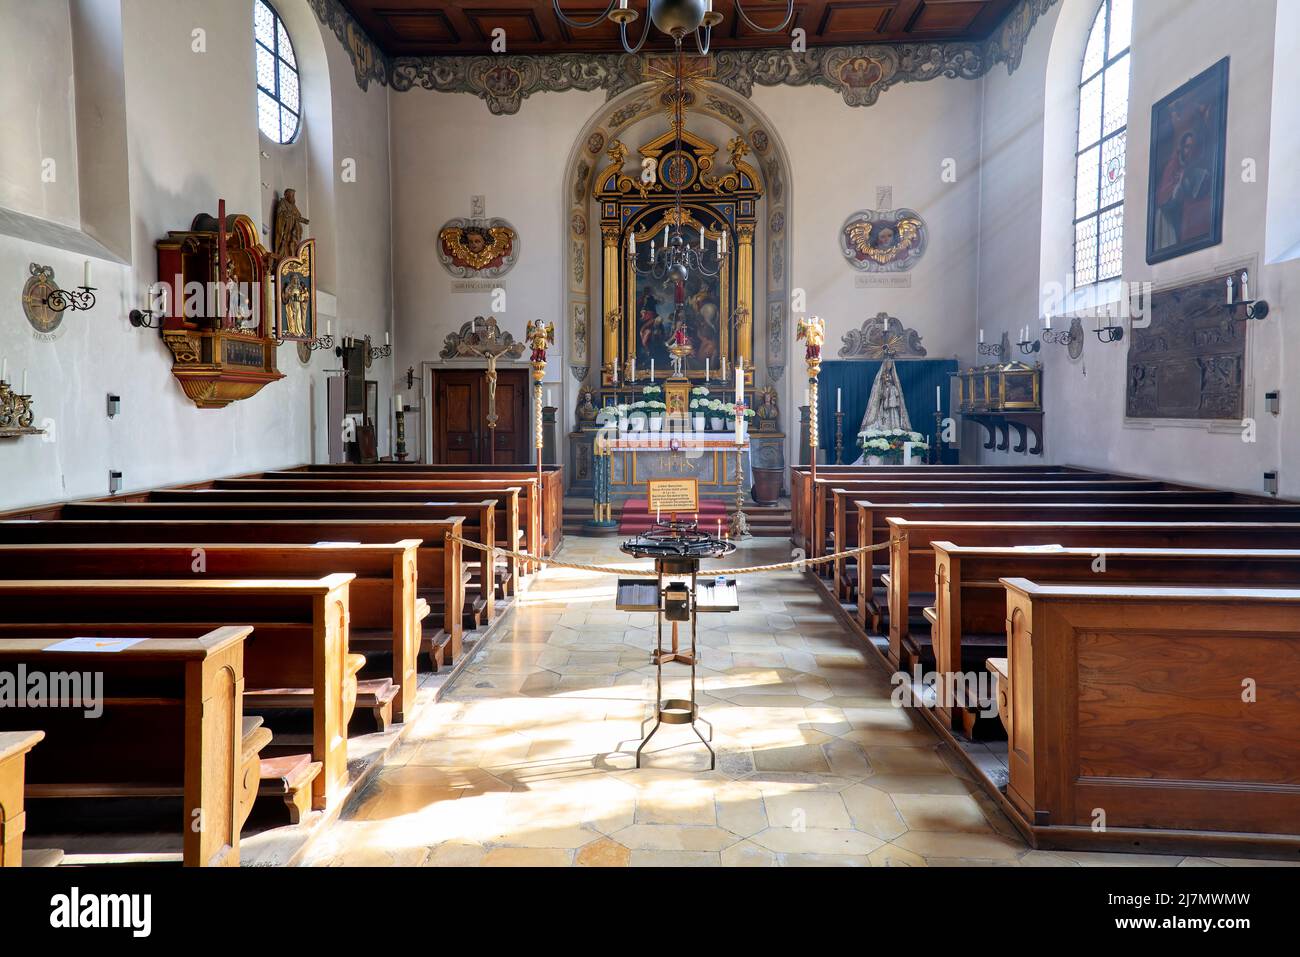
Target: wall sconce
column 1108, row 333
column 379, row 352
column 1058, row 337
column 1273, row 402
column 114, row 482
column 990, row 350
column 323, row 342
column 114, row 405
column 61, row 300
column 1270, row 482
column 1244, row 308
column 144, row 319
column 1028, row 346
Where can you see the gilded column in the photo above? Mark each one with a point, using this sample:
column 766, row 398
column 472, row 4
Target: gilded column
column 745, row 294
column 609, row 351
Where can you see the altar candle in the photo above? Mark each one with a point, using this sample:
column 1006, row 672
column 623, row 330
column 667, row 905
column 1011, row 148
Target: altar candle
column 86, row 283
column 706, row 369
column 615, row 373
column 1245, row 286
column 701, row 239
column 981, row 337
column 719, row 528
column 838, row 405
column 656, row 516
column 724, row 367
column 631, row 241
column 938, row 398
column 740, row 384
column 723, row 239
column 1230, row 290
column 633, row 376
column 652, row 371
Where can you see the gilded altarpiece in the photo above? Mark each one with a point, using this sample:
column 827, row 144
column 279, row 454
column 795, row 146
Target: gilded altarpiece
column 718, row 211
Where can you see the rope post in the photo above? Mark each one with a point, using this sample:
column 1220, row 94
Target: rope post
column 540, row 334
column 813, row 331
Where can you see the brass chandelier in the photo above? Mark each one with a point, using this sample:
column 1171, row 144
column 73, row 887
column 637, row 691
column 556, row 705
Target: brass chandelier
column 673, row 17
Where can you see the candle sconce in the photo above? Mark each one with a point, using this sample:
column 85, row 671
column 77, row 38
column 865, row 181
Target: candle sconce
column 321, row 342
column 1110, row 333
column 377, row 352
column 1063, row 337
column 144, row 319
column 1245, row 308
column 16, row 414
column 988, row 349
column 79, row 299
column 1029, row 348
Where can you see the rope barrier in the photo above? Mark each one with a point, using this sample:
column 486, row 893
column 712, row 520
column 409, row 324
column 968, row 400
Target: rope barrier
column 798, row 563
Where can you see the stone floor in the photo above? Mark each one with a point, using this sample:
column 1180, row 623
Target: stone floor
column 529, row 757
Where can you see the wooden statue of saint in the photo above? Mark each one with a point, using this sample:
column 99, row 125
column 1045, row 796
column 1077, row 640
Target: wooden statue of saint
column 289, row 222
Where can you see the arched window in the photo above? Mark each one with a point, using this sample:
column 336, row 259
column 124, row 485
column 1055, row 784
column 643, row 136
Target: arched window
column 278, row 107
column 1103, row 137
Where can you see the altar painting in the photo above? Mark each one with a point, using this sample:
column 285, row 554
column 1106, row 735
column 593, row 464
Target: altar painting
column 705, row 304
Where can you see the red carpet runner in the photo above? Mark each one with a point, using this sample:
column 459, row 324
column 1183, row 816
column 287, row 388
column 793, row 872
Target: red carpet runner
column 635, row 518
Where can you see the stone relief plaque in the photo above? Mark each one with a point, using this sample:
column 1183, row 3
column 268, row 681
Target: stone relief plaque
column 1189, row 361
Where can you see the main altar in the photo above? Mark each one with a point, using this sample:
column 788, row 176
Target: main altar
column 677, row 224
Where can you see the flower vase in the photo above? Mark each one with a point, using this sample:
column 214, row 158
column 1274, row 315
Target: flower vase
column 715, row 423
column 697, row 423
column 656, row 423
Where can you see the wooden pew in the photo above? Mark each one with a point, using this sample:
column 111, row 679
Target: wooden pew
column 529, row 507
column 14, row 746
column 911, row 552
column 298, row 660
column 968, row 618
column 1173, row 709
column 824, row 492
column 478, row 524
column 172, row 724
column 438, row 559
column 873, row 519
column 550, row 495
column 801, row 482
column 384, row 607
column 843, row 503
column 509, row 532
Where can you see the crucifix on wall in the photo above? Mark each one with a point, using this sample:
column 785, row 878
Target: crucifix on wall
column 483, row 339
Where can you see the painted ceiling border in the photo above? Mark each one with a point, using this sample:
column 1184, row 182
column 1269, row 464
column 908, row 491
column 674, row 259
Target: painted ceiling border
column 504, row 82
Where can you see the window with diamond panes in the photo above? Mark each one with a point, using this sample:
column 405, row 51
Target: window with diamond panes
column 278, row 106
column 1101, row 146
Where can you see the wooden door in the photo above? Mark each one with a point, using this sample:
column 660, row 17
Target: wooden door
column 460, row 432
column 512, row 417
column 459, row 425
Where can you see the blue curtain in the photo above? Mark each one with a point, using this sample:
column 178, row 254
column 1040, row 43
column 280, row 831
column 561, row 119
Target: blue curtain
column 855, row 377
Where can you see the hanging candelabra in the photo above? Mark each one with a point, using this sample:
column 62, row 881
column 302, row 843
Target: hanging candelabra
column 677, row 18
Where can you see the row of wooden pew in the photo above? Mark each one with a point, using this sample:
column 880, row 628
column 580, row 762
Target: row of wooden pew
column 217, row 614
column 1142, row 639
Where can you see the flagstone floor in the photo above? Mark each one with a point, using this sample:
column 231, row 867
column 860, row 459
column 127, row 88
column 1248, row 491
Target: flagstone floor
column 529, row 757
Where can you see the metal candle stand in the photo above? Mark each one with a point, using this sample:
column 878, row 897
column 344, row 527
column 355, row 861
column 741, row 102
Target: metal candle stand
column 677, row 549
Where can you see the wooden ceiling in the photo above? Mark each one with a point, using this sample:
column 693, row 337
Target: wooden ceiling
column 422, row 28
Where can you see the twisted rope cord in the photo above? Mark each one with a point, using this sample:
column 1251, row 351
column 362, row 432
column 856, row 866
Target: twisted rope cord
column 647, row 573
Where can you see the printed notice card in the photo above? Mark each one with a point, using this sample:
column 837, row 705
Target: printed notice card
column 83, row 645
column 674, row 495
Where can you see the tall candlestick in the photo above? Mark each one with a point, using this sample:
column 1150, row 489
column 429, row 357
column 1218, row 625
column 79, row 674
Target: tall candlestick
column 838, row 397
column 548, row 397
column 938, row 398
column 706, row 369
column 652, row 372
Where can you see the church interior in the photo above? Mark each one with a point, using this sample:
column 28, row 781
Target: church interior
column 634, row 433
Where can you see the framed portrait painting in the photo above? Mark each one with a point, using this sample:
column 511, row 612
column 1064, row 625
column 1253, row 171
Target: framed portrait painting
column 1189, row 134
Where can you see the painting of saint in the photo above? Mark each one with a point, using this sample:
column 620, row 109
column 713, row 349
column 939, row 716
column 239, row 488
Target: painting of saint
column 1188, row 143
column 696, row 309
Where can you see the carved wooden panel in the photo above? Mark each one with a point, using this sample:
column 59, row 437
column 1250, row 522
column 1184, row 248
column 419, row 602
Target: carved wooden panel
column 1189, row 362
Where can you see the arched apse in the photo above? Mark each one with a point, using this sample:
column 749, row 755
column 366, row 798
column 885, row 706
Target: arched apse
column 619, row 119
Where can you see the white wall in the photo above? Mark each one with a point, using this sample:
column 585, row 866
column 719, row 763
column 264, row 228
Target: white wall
column 191, row 136
column 1173, row 40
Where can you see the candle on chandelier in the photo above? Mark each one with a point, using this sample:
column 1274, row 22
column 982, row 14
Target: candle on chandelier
column 719, row 528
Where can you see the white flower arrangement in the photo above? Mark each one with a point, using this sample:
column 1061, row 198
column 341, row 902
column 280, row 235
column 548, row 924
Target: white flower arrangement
column 699, row 390
column 889, row 441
